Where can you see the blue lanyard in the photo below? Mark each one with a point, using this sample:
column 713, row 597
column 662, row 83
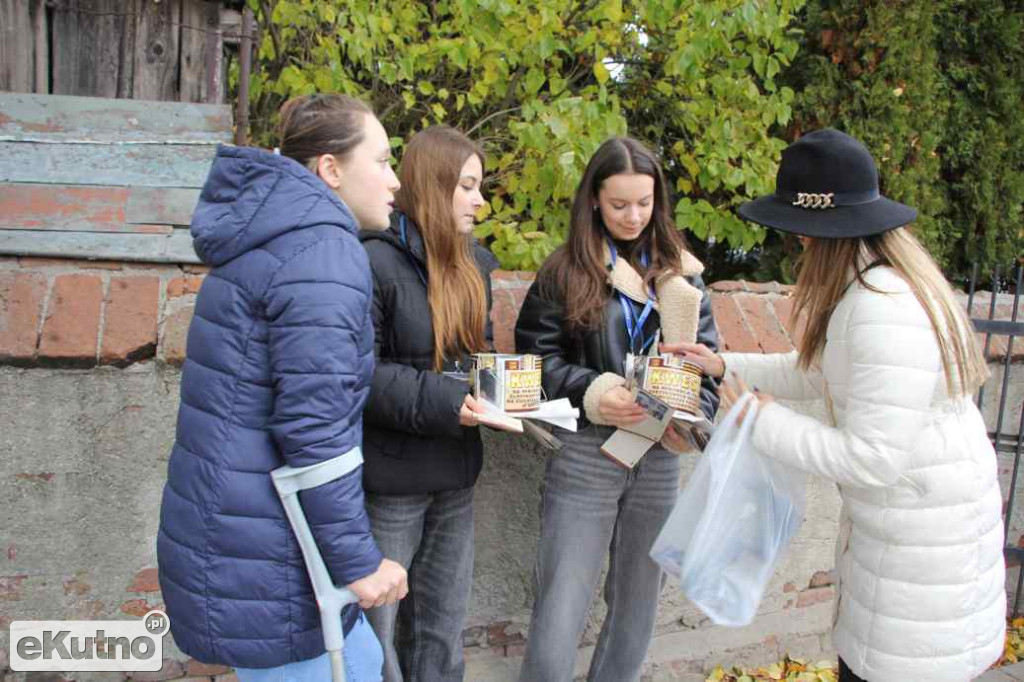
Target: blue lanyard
column 404, row 238
column 635, row 326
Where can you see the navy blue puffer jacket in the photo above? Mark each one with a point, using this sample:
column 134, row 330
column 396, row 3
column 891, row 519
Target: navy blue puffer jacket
column 278, row 368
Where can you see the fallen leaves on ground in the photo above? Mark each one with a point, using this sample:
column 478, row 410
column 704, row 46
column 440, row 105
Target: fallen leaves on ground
column 789, row 669
column 799, row 670
column 1014, row 650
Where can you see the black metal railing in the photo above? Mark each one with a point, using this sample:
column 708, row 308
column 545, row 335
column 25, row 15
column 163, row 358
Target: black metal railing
column 1008, row 443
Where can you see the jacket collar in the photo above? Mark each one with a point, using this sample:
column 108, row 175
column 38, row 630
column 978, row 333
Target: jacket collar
column 676, row 299
column 414, row 245
column 623, row 277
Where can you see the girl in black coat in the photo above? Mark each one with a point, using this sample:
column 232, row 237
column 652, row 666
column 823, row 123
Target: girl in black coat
column 421, row 443
column 623, row 274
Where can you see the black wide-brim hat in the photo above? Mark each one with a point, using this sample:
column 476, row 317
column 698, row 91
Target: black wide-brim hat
column 827, row 187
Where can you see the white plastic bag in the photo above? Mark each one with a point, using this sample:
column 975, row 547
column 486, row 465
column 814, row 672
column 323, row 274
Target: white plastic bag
column 731, row 523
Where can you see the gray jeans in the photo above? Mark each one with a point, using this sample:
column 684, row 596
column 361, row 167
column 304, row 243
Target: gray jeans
column 590, row 505
column 432, row 536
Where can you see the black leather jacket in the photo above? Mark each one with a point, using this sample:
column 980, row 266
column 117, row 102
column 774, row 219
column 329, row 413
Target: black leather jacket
column 572, row 361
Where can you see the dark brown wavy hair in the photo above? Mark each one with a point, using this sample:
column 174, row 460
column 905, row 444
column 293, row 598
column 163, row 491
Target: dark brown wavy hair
column 429, row 173
column 577, row 272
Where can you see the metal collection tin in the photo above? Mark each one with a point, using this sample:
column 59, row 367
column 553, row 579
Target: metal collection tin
column 674, row 380
column 511, row 382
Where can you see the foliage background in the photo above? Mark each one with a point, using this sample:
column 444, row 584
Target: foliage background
column 718, row 87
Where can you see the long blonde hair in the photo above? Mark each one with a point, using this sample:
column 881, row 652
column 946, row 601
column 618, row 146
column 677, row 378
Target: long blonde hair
column 823, row 278
column 429, row 173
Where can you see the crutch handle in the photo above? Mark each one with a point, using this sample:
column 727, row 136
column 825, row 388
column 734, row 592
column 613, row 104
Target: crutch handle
column 330, row 599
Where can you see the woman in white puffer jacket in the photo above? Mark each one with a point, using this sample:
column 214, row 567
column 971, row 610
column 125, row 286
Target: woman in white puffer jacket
column 886, row 346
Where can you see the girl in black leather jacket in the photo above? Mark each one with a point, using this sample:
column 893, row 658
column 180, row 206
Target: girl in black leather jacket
column 624, row 273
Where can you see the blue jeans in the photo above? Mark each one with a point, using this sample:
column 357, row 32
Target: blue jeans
column 363, row 661
column 432, row 536
column 589, row 506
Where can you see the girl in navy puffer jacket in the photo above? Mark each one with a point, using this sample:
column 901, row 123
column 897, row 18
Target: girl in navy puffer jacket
column 277, row 370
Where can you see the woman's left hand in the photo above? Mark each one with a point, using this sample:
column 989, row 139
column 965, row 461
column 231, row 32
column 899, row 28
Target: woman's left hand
column 734, row 387
column 677, row 441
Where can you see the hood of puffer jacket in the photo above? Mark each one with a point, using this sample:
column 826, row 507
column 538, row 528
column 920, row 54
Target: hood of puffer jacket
column 252, row 196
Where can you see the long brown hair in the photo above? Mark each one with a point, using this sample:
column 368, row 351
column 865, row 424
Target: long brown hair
column 577, row 271
column 314, row 125
column 429, row 174
column 823, row 278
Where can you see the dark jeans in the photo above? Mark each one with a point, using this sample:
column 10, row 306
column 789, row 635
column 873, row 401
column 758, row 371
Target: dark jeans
column 845, row 675
column 432, row 536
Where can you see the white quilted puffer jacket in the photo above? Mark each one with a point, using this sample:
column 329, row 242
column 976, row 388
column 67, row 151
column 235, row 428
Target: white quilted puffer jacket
column 919, row 557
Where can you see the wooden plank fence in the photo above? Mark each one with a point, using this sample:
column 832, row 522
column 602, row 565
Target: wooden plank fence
column 167, row 50
column 104, row 179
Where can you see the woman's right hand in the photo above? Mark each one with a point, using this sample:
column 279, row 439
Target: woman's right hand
column 619, row 408
column 470, row 408
column 698, row 354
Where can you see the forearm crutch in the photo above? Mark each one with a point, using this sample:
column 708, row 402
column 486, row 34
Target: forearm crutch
column 329, row 598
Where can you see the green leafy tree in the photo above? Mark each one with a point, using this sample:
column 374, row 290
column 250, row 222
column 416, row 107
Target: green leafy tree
column 934, row 89
column 541, row 85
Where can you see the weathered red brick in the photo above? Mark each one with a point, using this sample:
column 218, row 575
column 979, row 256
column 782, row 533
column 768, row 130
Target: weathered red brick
column 10, row 587
column 145, row 580
column 198, row 669
column 72, row 321
column 732, row 328
column 762, row 287
column 766, row 327
column 196, row 269
column 179, row 286
column 789, row 587
column 130, row 320
column 817, row 595
column 43, row 477
column 76, row 587
column 171, row 670
column 783, row 308
column 174, row 336
column 727, row 285
column 498, row 634
column 515, row 650
column 137, row 607
column 504, row 312
column 503, row 279
column 21, row 306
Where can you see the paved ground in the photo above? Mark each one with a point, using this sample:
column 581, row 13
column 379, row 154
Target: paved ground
column 1009, row 673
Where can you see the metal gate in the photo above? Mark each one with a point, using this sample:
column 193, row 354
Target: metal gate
column 1005, row 442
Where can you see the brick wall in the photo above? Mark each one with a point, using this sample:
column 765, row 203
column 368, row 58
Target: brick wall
column 69, row 313
column 79, row 314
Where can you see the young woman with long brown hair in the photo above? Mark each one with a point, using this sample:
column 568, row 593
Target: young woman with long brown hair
column 422, row 442
column 888, row 348
column 624, row 273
